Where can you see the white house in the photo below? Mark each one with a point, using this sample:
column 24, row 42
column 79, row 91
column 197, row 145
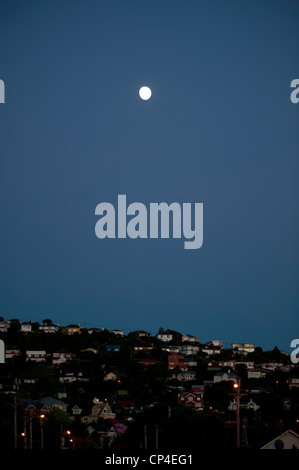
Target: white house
column 226, row 376
column 250, row 405
column 243, row 347
column 48, row 328
column 118, row 332
column 190, row 339
column 59, row 358
column 211, row 351
column 37, row 356
column 189, row 349
column 26, row 327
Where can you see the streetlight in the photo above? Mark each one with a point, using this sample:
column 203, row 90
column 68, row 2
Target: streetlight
column 237, row 396
column 42, row 416
column 24, row 436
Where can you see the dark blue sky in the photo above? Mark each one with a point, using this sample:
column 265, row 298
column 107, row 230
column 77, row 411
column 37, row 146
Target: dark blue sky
column 219, row 129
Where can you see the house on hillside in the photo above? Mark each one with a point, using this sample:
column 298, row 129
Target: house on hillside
column 141, row 348
column 36, row 356
column 247, row 405
column 195, row 398
column 3, row 327
column 142, row 334
column 70, row 376
column 12, row 353
column 226, row 376
column 61, row 357
column 169, row 335
column 48, row 328
column 189, row 349
column 72, row 329
column 118, row 333
column 293, row 382
column 100, row 409
column 184, row 375
column 190, row 339
column 26, row 327
column 51, row 402
column 34, row 407
column 243, row 347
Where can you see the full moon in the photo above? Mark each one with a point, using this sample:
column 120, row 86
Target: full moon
column 145, row 93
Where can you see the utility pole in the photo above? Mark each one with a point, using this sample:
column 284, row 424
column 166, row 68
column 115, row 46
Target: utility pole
column 16, row 387
column 15, row 422
column 30, row 428
column 237, row 397
column 42, row 416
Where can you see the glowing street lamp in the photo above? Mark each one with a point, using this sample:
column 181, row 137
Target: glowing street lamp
column 237, row 396
column 42, row 417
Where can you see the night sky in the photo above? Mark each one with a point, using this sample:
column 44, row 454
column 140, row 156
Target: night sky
column 220, row 129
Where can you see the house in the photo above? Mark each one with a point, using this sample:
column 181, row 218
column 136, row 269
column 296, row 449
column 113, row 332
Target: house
column 243, row 347
column 211, row 351
column 169, row 335
column 37, row 356
column 171, row 349
column 94, row 330
column 189, row 349
column 287, row 440
column 142, row 334
column 100, row 409
column 26, row 327
column 76, row 410
column 143, row 348
column 184, row 375
column 11, row 353
column 256, row 374
column 212, row 365
column 226, row 376
column 3, row 327
column 61, row 357
column 215, row 343
column 175, row 360
column 118, row 332
column 111, row 376
column 34, row 407
column 51, row 402
column 195, row 398
column 72, row 376
column 72, row 329
column 248, row 405
column 269, row 366
column 48, row 328
column 190, row 339
column 61, row 392
column 190, row 363
column 293, row 382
